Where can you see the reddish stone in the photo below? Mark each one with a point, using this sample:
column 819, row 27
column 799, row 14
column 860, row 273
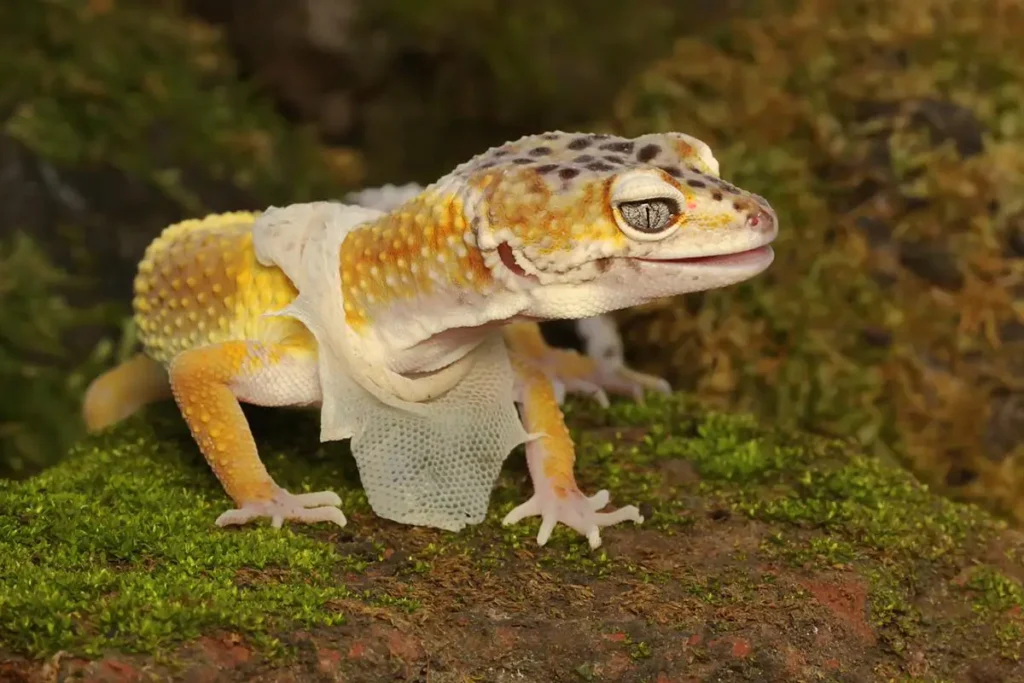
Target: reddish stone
column 327, row 660
column 694, row 640
column 847, row 601
column 357, row 651
column 227, row 652
column 404, row 647
column 506, row 637
column 740, row 648
column 618, row 664
column 832, row 664
column 615, row 637
column 112, row 671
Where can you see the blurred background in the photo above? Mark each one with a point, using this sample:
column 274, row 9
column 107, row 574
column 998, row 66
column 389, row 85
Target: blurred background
column 889, row 136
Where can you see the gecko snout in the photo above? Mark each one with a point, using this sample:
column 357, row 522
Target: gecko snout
column 760, row 216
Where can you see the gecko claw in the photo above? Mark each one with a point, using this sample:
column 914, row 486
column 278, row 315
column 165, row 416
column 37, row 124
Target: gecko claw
column 307, row 508
column 576, row 511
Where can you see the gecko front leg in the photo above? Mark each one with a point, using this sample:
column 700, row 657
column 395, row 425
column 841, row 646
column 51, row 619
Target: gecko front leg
column 207, row 383
column 574, row 372
column 550, row 456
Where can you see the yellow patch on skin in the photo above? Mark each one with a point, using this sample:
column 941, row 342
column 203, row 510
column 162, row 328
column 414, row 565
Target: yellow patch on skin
column 199, row 284
column 408, row 254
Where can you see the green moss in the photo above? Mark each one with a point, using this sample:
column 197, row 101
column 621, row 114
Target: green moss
column 116, row 548
column 996, row 591
column 780, row 475
column 1000, row 598
column 119, row 538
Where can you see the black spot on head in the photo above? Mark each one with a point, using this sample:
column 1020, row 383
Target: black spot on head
column 488, row 164
column 716, row 195
column 600, row 166
column 579, row 143
column 620, row 147
column 696, row 183
column 550, row 136
column 648, row 152
column 672, row 171
column 522, row 161
column 600, row 136
column 614, row 159
column 694, row 169
column 500, row 152
column 547, row 168
column 584, row 158
column 568, row 173
column 539, row 151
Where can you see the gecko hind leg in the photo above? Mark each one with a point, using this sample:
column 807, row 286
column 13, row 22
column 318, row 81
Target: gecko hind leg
column 207, row 384
column 573, row 372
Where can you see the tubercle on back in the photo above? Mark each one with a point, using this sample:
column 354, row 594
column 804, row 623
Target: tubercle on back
column 424, row 247
column 192, row 285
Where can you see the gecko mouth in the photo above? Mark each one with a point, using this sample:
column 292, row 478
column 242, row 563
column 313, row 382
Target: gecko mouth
column 757, row 255
column 738, row 258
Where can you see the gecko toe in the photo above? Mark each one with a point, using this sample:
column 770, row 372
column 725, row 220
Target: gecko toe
column 576, row 511
column 306, row 508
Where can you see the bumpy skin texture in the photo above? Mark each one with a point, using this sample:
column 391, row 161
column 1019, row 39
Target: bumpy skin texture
column 552, row 226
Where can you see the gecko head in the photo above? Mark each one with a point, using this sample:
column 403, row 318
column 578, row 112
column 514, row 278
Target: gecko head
column 587, row 224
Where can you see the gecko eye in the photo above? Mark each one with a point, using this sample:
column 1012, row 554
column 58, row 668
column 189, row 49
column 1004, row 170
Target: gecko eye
column 649, row 217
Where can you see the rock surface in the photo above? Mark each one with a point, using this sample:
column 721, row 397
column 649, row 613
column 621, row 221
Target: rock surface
column 766, row 556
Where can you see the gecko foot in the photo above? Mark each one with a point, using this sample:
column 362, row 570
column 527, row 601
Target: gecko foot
column 575, row 373
column 308, row 508
column 575, row 510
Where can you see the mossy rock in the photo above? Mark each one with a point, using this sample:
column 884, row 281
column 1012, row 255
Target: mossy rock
column 767, row 555
column 890, row 138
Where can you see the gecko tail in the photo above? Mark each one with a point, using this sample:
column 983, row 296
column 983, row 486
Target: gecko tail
column 123, row 390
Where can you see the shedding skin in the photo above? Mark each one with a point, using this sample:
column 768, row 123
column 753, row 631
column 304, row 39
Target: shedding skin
column 550, row 226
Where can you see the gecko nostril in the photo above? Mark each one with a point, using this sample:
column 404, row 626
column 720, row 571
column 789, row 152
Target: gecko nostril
column 761, row 220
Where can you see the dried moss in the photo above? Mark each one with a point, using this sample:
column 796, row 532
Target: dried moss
column 890, row 137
